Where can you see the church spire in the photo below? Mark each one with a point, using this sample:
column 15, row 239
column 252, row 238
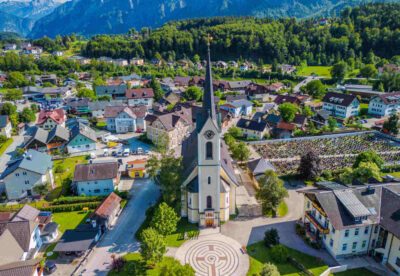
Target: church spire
column 208, row 97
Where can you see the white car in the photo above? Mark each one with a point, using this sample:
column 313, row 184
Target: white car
column 93, row 155
column 126, row 152
column 106, row 153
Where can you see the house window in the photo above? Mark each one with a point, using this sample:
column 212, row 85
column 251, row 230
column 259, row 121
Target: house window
column 398, row 261
column 209, row 202
column 346, row 233
column 373, row 243
column 354, row 245
column 209, row 150
column 24, row 173
column 344, row 247
column 82, row 189
column 364, row 243
column 376, row 229
column 366, row 229
column 17, row 174
column 331, row 243
column 356, row 231
column 333, row 230
column 26, row 181
column 97, row 191
column 308, row 204
column 209, row 180
column 190, row 201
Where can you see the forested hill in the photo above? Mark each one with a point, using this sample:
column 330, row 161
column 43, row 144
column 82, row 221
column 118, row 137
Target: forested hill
column 369, row 30
column 118, row 16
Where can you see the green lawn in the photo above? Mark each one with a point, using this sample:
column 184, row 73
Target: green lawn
column 395, row 174
column 177, row 239
column 136, row 266
column 50, row 248
column 62, row 179
column 356, row 272
column 322, row 71
column 5, row 145
column 69, row 220
column 259, row 255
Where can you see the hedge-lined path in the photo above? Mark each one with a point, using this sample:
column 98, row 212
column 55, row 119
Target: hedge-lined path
column 121, row 239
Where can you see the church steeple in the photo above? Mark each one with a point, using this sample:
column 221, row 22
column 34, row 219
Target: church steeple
column 208, row 97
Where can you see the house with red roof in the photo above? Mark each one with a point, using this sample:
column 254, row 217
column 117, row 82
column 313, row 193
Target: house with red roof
column 140, row 96
column 107, row 212
column 48, row 119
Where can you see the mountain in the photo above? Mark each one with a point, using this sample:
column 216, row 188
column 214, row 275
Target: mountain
column 89, row 17
column 20, row 15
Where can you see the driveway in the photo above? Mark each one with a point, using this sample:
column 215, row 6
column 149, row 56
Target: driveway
column 296, row 89
column 4, row 158
column 251, row 230
column 121, row 239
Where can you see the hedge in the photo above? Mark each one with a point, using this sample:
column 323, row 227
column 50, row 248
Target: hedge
column 76, row 199
column 71, row 207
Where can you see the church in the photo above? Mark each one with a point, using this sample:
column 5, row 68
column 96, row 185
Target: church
column 209, row 186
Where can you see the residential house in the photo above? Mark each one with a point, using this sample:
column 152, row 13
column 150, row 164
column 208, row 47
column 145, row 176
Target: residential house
column 5, row 126
column 286, row 68
column 280, row 99
column 116, row 92
column 58, row 53
column 221, row 65
column 24, row 268
column 23, row 174
column 48, row 119
column 351, row 221
column 300, row 121
column 46, row 141
column 341, row 105
column 174, row 126
column 10, row 47
column 123, row 119
column 239, row 85
column 137, row 61
column 77, row 106
column 391, row 68
column 33, row 50
column 253, row 129
column 385, row 104
column 275, row 87
column 182, row 81
column 82, row 139
column 140, row 96
column 231, row 98
column 320, row 118
column 137, row 168
column 98, row 108
column 50, row 78
column 81, row 60
column 238, row 108
column 107, row 212
column 284, row 130
column 79, row 240
column 121, row 62
column 226, row 118
column 96, row 179
column 38, row 93
column 132, row 80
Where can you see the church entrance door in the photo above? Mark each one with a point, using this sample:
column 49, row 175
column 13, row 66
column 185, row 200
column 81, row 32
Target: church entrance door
column 209, row 219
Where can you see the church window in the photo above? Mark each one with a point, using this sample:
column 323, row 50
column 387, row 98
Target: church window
column 209, row 202
column 209, row 180
column 209, row 150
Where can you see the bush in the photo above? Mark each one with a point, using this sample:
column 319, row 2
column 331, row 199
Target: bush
column 269, row 269
column 279, row 253
column 300, row 230
column 71, row 207
column 117, row 264
column 271, row 237
column 76, row 199
column 59, row 169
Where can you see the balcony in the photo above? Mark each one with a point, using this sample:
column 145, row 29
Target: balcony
column 321, row 228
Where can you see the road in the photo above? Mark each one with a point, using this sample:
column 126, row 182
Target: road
column 4, row 158
column 296, row 89
column 121, row 239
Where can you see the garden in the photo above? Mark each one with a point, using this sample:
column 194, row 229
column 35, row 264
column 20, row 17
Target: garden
column 4, row 144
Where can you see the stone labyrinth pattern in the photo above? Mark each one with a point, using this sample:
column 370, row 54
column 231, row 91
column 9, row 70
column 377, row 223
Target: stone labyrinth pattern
column 213, row 258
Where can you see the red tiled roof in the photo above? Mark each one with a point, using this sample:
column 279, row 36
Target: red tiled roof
column 140, row 93
column 108, row 206
column 286, row 126
column 137, row 111
column 57, row 115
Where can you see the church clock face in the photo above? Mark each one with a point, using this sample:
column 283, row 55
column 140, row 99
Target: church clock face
column 209, row 134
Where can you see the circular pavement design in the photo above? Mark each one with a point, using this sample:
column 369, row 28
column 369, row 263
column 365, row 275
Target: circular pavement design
column 214, row 255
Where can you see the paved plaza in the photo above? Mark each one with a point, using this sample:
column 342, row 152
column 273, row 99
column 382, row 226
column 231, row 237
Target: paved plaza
column 214, row 255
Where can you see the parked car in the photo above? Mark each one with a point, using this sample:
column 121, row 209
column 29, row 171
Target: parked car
column 126, row 153
column 93, row 155
column 106, row 153
column 120, row 153
column 50, row 267
column 139, row 151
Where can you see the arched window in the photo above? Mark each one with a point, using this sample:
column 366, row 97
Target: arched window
column 209, row 150
column 209, row 180
column 209, row 202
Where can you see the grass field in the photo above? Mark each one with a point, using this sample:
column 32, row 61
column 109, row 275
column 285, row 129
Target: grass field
column 5, row 145
column 136, row 266
column 62, row 179
column 259, row 255
column 69, row 220
column 395, row 174
column 177, row 239
column 322, row 71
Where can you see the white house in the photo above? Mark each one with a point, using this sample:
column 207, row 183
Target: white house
column 255, row 129
column 348, row 221
column 341, row 105
column 96, row 179
column 385, row 104
column 23, row 174
column 123, row 119
column 140, row 96
column 238, row 107
column 5, row 126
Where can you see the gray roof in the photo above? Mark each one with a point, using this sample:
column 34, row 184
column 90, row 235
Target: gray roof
column 84, row 131
column 352, row 203
column 20, row 230
column 20, row 268
column 101, row 105
column 33, row 161
column 390, row 210
column 58, row 131
column 239, row 84
column 111, row 90
column 242, row 102
column 26, row 213
column 339, row 98
column 96, row 171
column 80, row 239
column 260, row 166
column 252, row 125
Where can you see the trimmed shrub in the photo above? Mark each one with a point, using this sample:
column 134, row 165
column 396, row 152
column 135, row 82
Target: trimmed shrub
column 269, row 269
column 279, row 253
column 271, row 237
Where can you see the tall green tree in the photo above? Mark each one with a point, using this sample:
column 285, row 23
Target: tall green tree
column 315, row 88
column 240, row 151
column 367, row 170
column 165, row 219
column 193, row 93
column 27, row 115
column 310, row 166
column 12, row 95
column 339, row 71
column 368, row 156
column 158, row 93
column 271, row 192
column 288, row 111
column 152, row 246
column 86, row 93
column 392, row 124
